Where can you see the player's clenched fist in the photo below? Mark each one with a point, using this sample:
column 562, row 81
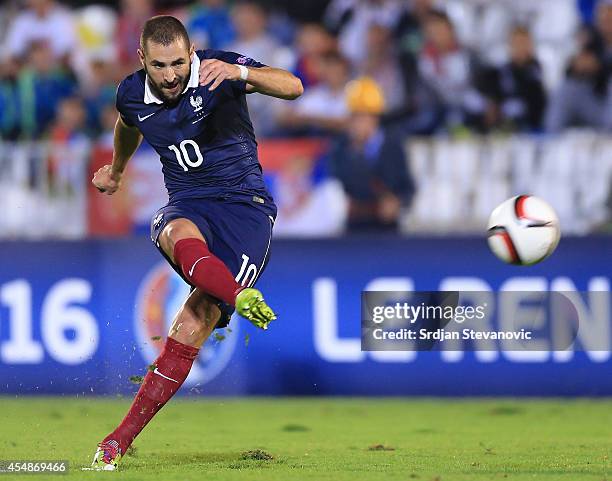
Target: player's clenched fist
column 216, row 71
column 106, row 181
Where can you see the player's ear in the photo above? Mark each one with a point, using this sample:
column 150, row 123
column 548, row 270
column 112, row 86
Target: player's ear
column 191, row 51
column 141, row 57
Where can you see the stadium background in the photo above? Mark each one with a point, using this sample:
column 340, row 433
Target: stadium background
column 485, row 99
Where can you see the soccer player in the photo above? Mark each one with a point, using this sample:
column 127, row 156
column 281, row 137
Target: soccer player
column 216, row 228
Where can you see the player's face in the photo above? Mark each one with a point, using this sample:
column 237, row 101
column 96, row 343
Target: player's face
column 168, row 68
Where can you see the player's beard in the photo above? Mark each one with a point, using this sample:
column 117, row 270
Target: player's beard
column 160, row 89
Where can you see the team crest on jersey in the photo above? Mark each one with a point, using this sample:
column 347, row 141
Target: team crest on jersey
column 196, row 103
column 241, row 60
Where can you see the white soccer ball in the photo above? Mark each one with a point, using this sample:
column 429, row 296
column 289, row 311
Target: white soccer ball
column 523, row 230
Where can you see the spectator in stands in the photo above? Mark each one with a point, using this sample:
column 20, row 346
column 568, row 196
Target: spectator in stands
column 420, row 111
column 351, row 19
column 322, row 108
column 445, row 66
column 371, row 163
column 514, row 95
column 313, row 41
column 132, row 16
column 410, row 35
column 580, row 101
column 101, row 89
column 210, row 25
column 584, row 99
column 9, row 120
column 69, row 139
column 43, row 21
column 250, row 20
column 253, row 40
column 41, row 85
column 108, row 118
column 411, row 24
column 602, row 36
column 382, row 64
column 96, row 33
column 69, row 125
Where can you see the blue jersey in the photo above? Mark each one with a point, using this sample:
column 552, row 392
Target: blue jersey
column 206, row 141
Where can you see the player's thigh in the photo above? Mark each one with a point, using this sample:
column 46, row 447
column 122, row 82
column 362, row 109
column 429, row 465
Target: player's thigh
column 242, row 236
column 175, row 231
column 195, row 320
column 172, row 223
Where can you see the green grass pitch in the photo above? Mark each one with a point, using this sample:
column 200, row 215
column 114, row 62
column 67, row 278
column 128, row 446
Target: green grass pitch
column 339, row 439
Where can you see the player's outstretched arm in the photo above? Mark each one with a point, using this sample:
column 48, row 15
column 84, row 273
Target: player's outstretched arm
column 271, row 81
column 275, row 82
column 126, row 140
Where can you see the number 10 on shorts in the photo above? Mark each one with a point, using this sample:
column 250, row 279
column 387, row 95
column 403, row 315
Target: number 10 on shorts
column 248, row 272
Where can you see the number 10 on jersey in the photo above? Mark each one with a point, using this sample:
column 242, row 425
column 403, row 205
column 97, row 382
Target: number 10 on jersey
column 182, row 154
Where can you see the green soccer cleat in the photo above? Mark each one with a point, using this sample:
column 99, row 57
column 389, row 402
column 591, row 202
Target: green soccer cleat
column 107, row 456
column 250, row 305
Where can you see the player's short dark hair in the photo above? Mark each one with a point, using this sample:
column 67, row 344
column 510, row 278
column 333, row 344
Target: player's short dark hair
column 163, row 30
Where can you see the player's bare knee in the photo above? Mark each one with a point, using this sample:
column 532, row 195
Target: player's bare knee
column 175, row 231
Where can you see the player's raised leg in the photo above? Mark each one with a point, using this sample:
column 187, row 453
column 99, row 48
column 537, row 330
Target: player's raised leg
column 184, row 244
column 192, row 325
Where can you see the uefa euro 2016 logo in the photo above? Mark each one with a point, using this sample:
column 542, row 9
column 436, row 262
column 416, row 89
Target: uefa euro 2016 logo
column 159, row 297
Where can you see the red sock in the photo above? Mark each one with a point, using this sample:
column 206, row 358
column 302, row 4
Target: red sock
column 172, row 368
column 206, row 271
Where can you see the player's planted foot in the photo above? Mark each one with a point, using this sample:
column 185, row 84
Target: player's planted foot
column 107, row 456
column 250, row 305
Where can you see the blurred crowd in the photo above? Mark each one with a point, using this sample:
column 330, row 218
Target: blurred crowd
column 374, row 71
column 442, row 65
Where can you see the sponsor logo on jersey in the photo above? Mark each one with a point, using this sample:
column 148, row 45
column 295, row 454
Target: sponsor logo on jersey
column 145, row 117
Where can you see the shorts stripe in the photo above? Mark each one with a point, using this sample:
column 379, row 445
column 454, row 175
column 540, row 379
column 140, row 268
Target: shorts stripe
column 263, row 262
